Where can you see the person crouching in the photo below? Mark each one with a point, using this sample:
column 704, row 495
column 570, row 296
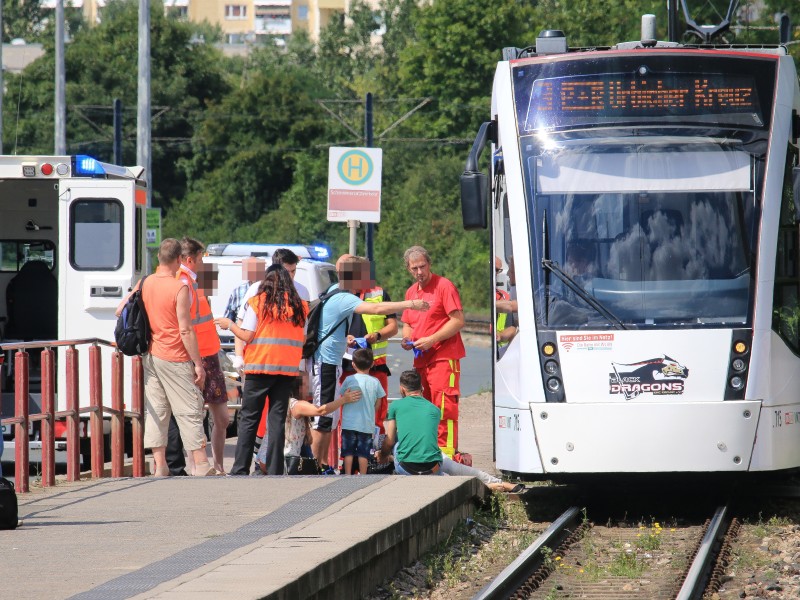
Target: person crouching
column 413, row 423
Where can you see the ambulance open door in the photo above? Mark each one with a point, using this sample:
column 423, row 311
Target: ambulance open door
column 100, row 258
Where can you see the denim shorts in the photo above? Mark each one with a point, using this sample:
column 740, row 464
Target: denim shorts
column 355, row 443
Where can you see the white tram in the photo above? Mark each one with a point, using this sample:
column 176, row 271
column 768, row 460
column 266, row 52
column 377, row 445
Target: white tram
column 644, row 204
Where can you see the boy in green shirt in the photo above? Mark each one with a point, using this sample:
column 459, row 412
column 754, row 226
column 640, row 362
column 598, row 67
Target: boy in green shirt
column 413, row 423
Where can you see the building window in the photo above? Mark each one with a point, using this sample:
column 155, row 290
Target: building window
column 235, row 11
column 302, row 12
column 178, row 12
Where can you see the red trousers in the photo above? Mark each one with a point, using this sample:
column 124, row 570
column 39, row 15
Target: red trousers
column 440, row 385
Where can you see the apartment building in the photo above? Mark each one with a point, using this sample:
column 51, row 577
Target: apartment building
column 247, row 21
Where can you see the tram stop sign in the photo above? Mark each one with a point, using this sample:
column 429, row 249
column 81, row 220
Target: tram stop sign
column 354, row 184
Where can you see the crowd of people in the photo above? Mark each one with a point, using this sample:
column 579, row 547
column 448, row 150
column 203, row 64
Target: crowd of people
column 297, row 405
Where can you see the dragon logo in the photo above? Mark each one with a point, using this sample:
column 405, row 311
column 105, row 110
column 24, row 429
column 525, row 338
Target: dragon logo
column 657, row 376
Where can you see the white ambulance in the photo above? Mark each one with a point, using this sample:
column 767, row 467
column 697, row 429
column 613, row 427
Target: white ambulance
column 313, row 272
column 72, row 243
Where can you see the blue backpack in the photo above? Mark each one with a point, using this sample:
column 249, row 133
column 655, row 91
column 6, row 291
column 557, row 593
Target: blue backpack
column 132, row 332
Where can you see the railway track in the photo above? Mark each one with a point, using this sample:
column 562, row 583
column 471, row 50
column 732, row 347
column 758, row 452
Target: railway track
column 477, row 326
column 577, row 559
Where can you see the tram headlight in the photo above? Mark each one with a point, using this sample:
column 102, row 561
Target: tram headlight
column 549, row 349
column 738, row 365
column 737, row 382
column 740, row 347
column 551, row 367
column 554, row 384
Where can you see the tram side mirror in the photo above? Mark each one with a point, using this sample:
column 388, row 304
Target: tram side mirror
column 796, row 192
column 474, row 184
column 474, row 195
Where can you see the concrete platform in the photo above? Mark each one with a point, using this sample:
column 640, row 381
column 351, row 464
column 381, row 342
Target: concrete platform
column 227, row 537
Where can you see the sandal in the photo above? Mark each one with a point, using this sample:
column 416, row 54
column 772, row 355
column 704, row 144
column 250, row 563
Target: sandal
column 517, row 489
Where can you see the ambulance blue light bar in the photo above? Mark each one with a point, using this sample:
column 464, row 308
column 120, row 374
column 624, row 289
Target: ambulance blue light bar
column 319, row 252
column 86, row 166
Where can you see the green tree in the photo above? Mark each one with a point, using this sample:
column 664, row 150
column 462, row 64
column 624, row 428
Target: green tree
column 421, row 205
column 245, row 149
column 101, row 65
column 454, row 56
column 587, row 23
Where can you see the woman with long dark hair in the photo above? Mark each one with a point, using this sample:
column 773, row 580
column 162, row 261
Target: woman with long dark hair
column 273, row 329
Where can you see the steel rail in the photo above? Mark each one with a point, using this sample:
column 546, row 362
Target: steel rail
column 515, row 574
column 694, row 585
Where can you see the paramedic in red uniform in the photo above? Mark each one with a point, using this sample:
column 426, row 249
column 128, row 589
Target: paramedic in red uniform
column 435, row 338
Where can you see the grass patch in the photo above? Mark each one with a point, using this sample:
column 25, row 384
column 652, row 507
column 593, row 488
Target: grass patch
column 626, row 563
column 649, row 538
column 771, row 526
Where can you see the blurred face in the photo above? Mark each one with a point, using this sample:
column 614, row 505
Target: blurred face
column 354, row 276
column 207, row 278
column 253, row 269
column 420, row 269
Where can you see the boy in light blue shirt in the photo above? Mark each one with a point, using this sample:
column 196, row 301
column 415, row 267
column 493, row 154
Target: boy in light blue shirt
column 358, row 419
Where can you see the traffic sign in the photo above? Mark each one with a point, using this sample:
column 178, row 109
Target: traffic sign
column 354, row 184
column 153, row 227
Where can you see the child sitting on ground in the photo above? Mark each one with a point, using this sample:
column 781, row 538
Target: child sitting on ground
column 358, row 418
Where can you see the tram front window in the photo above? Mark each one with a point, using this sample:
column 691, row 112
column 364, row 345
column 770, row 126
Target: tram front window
column 655, row 234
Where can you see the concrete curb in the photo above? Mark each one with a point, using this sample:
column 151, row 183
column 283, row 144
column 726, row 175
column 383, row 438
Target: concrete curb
column 359, row 569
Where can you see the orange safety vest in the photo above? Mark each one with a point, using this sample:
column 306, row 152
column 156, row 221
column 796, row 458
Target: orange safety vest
column 202, row 319
column 276, row 347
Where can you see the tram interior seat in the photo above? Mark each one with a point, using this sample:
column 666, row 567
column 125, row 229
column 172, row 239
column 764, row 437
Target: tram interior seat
column 32, row 303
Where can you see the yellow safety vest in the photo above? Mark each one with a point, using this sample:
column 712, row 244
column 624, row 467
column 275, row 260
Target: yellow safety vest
column 500, row 324
column 375, row 322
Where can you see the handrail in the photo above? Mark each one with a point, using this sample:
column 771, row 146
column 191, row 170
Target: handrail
column 96, row 410
column 56, row 343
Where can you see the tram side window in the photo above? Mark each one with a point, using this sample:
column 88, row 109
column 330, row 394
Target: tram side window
column 96, row 235
column 786, row 299
column 506, row 324
column 15, row 253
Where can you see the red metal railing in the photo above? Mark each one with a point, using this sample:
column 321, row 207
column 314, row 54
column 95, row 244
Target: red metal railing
column 96, row 410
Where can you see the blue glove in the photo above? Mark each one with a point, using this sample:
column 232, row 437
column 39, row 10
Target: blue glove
column 418, row 352
column 361, row 342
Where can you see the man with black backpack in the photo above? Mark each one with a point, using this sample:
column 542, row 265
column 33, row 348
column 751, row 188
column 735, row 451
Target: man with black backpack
column 336, row 310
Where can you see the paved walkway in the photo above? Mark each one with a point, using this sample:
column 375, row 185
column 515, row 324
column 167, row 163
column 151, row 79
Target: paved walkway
column 225, row 537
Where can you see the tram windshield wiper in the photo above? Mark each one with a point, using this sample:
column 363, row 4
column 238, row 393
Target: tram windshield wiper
column 573, row 285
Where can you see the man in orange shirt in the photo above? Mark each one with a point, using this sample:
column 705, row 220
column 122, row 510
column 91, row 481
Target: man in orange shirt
column 173, row 367
column 435, row 338
column 214, row 391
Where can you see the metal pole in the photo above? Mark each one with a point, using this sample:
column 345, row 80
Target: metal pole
column 143, row 154
column 368, row 141
column 117, row 131
column 60, row 147
column 353, row 225
column 672, row 20
column 2, row 82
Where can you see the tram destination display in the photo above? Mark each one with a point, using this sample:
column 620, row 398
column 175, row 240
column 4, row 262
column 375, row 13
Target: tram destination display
column 565, row 101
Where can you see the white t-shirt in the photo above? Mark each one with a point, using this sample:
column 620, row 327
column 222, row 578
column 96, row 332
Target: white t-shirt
column 302, row 291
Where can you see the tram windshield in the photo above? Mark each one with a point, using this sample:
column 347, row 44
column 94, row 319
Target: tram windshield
column 643, row 184
column 657, row 232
